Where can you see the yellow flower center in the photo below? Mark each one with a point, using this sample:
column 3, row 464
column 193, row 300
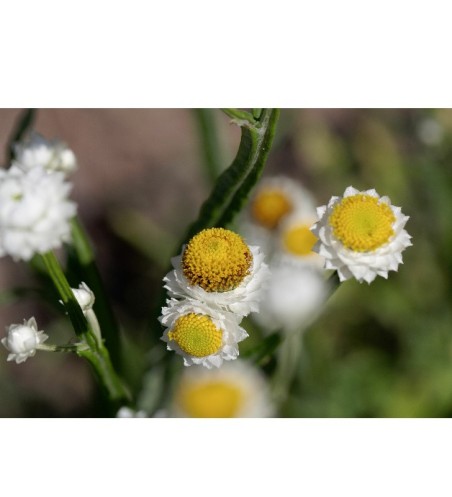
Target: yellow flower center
column 217, row 260
column 196, row 335
column 269, row 207
column 362, row 223
column 299, row 240
column 211, row 399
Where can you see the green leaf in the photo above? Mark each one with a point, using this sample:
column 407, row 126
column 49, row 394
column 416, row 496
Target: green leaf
column 234, row 185
column 24, row 123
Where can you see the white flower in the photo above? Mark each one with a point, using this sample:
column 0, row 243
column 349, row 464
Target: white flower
column 23, row 340
column 200, row 334
column 52, row 155
column 84, row 296
column 236, row 390
column 296, row 295
column 34, row 212
column 361, row 235
column 217, row 268
column 127, row 412
column 273, row 199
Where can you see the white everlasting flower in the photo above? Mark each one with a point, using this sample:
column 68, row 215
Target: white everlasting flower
column 34, row 212
column 219, row 269
column 127, row 412
column 361, row 235
column 295, row 296
column 236, row 390
column 273, row 199
column 200, row 334
column 52, row 155
column 23, row 340
column 84, row 296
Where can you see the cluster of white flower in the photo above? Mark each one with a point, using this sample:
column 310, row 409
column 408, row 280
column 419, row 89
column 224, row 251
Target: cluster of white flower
column 216, row 281
column 34, row 206
column 279, row 218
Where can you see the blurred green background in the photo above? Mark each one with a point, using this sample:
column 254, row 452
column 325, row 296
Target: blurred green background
column 379, row 350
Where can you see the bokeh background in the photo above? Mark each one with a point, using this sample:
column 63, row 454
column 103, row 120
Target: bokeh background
column 379, row 350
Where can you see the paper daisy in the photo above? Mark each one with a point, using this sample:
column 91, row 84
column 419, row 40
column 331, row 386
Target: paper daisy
column 23, row 340
column 200, row 334
column 219, row 269
column 236, row 390
column 34, row 212
column 361, row 235
column 295, row 296
column 52, row 155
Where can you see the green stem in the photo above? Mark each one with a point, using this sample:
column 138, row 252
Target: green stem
column 56, row 274
column 209, row 142
column 84, row 260
column 96, row 353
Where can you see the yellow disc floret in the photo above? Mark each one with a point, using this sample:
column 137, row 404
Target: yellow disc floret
column 217, row 260
column 362, row 223
column 269, row 207
column 196, row 335
column 211, row 399
column 299, row 240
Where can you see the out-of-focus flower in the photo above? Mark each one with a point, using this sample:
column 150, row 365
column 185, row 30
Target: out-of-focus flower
column 34, row 212
column 294, row 298
column 236, row 390
column 127, row 412
column 361, row 235
column 273, row 200
column 52, row 155
column 85, row 296
column 23, row 340
column 295, row 241
column 201, row 334
column 219, row 269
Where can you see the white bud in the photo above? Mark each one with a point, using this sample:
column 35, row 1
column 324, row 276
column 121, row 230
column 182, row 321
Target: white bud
column 84, row 296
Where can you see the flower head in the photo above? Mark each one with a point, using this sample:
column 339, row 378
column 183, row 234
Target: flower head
column 34, row 212
column 52, row 155
column 23, row 340
column 361, row 235
column 219, row 269
column 200, row 334
column 236, row 390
